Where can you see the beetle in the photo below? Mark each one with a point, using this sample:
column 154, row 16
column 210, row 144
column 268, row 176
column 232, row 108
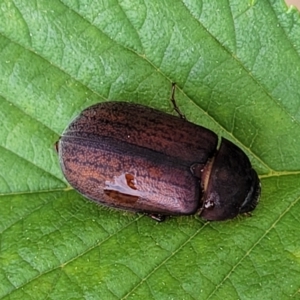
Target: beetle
column 136, row 158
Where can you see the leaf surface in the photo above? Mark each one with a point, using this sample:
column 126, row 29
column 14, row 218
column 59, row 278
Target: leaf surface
column 237, row 69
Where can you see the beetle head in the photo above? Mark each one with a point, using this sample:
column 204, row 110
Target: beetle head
column 230, row 184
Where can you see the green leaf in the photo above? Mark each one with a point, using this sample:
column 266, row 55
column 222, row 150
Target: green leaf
column 237, row 69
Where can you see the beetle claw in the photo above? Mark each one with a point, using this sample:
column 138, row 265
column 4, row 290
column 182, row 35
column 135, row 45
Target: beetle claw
column 157, row 217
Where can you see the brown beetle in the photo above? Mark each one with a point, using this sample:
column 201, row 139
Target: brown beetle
column 136, row 158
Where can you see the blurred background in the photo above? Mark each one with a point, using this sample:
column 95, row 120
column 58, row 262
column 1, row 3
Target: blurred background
column 293, row 2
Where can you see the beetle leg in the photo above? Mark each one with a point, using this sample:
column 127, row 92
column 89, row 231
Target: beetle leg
column 247, row 214
column 176, row 108
column 56, row 146
column 157, row 217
